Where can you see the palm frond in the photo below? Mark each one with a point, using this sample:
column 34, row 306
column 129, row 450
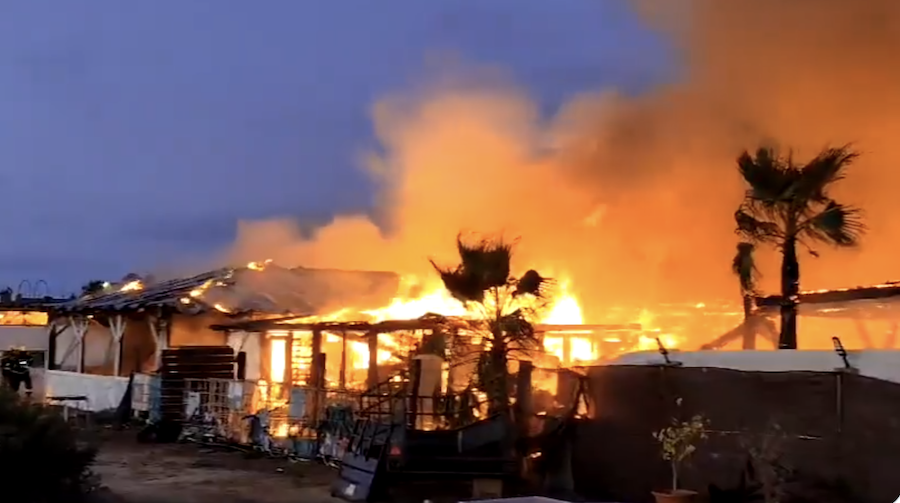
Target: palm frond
column 829, row 166
column 837, row 224
column 531, row 283
column 744, row 267
column 488, row 259
column 462, row 286
column 768, row 175
column 483, row 264
column 755, row 229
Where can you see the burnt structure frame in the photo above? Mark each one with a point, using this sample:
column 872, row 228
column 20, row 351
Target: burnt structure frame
column 843, row 303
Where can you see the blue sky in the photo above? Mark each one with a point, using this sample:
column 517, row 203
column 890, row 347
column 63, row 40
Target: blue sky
column 135, row 133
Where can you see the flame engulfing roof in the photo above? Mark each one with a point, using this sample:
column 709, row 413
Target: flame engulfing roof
column 255, row 288
column 881, row 300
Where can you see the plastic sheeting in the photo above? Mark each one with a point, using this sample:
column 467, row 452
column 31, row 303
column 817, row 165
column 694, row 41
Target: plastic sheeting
column 102, row 392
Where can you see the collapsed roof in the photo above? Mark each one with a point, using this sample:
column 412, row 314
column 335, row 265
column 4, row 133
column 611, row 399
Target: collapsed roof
column 877, row 301
column 255, row 288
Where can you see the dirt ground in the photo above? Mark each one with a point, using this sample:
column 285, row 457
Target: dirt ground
column 188, row 473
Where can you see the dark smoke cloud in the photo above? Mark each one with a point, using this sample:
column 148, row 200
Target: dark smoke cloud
column 631, row 198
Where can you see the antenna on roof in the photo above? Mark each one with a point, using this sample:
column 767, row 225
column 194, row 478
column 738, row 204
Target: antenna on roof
column 665, row 354
column 839, row 349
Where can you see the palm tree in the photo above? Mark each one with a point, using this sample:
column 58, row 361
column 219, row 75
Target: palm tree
column 788, row 204
column 504, row 306
column 744, row 267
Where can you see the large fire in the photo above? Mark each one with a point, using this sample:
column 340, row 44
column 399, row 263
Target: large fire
column 567, row 341
column 562, row 314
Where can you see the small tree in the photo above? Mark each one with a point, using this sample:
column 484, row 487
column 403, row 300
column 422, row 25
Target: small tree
column 678, row 441
column 766, row 451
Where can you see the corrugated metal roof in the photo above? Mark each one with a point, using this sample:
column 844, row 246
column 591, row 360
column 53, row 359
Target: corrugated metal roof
column 271, row 290
column 162, row 294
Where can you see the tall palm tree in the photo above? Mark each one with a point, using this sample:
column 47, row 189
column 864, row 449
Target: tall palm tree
column 504, row 306
column 787, row 205
column 744, row 267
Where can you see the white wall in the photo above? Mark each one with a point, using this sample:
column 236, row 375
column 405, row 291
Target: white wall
column 877, row 363
column 249, row 343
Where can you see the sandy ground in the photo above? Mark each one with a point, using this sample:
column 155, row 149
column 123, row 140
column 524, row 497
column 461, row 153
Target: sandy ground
column 187, row 473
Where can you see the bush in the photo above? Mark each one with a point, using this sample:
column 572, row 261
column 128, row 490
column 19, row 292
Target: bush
column 41, row 460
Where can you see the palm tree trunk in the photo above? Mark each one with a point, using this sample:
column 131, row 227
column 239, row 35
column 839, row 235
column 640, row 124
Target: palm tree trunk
column 790, row 291
column 749, row 326
column 499, row 392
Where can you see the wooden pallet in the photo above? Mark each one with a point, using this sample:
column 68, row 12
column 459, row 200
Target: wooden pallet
column 179, row 365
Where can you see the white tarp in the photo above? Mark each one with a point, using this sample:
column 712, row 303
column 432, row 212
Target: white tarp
column 102, row 392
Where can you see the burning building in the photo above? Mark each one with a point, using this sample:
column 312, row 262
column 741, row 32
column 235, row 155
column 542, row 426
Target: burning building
column 358, row 348
column 124, row 327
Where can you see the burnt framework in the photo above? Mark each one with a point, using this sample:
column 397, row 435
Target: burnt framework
column 861, row 304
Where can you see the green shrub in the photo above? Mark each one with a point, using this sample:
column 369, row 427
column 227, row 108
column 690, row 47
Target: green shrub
column 41, row 460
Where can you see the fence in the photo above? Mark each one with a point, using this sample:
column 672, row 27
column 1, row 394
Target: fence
column 839, row 428
column 291, row 420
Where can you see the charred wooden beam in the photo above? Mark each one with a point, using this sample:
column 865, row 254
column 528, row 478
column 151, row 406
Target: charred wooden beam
column 883, row 291
column 372, row 374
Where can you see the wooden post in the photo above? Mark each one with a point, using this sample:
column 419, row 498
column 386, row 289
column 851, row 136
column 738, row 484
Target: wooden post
column 524, row 398
column 567, row 349
column 288, row 379
column 53, row 332
column 316, row 350
column 342, row 379
column 265, row 352
column 117, row 330
column 159, row 327
column 415, row 377
column 80, row 326
column 372, row 375
column 318, row 392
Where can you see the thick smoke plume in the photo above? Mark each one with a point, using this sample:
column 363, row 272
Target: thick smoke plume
column 631, row 198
